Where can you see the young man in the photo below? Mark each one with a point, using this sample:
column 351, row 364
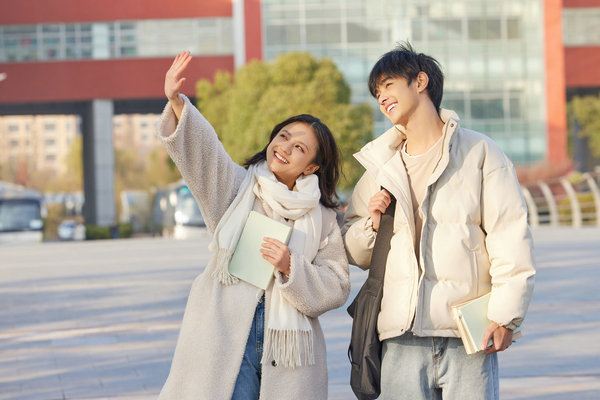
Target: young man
column 460, row 231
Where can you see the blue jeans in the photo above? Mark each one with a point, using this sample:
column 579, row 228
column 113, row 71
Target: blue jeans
column 247, row 385
column 434, row 368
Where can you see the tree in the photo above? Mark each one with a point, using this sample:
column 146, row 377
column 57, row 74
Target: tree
column 22, row 175
column 586, row 110
column 244, row 108
column 72, row 179
column 161, row 170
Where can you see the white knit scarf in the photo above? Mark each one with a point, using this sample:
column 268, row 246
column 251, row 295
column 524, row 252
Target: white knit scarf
column 289, row 336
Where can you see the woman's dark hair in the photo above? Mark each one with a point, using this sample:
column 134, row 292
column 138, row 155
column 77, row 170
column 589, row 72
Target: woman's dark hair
column 405, row 62
column 327, row 158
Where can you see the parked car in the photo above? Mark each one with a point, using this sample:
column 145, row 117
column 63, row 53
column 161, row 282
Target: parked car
column 71, row 229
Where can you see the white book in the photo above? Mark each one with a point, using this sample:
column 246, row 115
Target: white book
column 247, row 262
column 472, row 321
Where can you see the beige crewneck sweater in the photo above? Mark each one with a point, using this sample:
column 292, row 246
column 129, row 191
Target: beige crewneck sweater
column 419, row 168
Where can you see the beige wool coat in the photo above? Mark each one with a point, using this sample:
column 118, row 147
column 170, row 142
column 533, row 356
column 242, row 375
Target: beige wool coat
column 474, row 239
column 217, row 318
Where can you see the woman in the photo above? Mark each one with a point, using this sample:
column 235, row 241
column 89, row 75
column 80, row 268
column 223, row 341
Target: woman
column 236, row 340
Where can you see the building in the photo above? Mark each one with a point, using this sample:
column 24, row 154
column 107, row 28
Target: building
column 136, row 132
column 40, row 141
column 508, row 68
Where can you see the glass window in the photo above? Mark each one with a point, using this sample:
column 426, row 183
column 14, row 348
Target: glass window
column 476, row 29
column 18, row 214
column 580, row 26
column 417, row 29
column 323, row 33
column 486, row 108
column 359, row 33
column 513, row 28
column 283, row 34
column 50, row 142
column 493, row 29
column 49, row 126
column 445, row 29
column 322, row 12
column 515, row 107
column 51, row 28
column 484, row 29
column 518, row 127
column 115, row 39
column 456, row 105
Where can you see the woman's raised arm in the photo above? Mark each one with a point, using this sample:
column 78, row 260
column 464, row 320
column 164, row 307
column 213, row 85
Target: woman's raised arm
column 174, row 81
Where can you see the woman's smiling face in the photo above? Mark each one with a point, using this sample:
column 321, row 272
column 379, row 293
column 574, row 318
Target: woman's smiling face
column 292, row 152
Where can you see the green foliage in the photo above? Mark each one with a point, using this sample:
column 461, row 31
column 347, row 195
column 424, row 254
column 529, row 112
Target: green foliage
column 588, row 209
column 125, row 230
column 587, row 112
column 244, row 108
column 55, row 214
column 96, row 232
column 161, row 170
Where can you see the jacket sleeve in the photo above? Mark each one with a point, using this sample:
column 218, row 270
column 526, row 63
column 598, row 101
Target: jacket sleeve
column 314, row 287
column 359, row 236
column 212, row 177
column 509, row 245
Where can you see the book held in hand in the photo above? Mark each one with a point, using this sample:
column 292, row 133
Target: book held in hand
column 472, row 321
column 247, row 262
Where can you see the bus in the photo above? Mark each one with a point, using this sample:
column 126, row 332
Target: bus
column 175, row 212
column 21, row 214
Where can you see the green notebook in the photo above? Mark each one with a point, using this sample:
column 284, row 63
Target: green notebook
column 247, row 262
column 472, row 321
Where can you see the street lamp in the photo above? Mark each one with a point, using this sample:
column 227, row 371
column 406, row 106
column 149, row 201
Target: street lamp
column 3, row 76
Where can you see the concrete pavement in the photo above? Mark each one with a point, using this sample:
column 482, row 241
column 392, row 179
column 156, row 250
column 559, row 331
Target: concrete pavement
column 99, row 320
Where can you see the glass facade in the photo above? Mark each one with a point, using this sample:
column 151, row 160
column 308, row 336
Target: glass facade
column 116, row 39
column 491, row 53
column 580, row 26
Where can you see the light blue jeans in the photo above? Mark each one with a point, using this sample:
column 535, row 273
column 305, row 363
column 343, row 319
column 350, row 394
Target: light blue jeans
column 247, row 385
column 434, row 368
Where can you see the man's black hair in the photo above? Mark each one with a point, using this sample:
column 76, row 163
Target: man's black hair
column 405, row 62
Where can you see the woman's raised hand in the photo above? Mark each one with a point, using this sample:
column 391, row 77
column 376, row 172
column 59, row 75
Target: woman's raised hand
column 173, row 80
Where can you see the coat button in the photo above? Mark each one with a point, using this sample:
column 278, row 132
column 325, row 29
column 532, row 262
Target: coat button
column 273, row 363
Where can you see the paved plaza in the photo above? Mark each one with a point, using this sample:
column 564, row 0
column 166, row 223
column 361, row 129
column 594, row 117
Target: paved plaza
column 99, row 320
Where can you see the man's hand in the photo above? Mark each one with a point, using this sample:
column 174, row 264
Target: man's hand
column 501, row 337
column 174, row 81
column 377, row 206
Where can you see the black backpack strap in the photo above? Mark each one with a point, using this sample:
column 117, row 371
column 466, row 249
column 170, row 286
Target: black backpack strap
column 381, row 248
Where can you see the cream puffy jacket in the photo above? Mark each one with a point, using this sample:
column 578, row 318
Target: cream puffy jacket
column 475, row 236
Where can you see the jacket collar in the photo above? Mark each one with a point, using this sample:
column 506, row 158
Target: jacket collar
column 380, row 156
column 451, row 123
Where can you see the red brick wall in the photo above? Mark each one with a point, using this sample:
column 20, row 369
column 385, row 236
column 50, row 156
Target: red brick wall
column 37, row 11
column 109, row 79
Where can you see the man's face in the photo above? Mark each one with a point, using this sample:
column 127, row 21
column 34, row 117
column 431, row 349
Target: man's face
column 397, row 99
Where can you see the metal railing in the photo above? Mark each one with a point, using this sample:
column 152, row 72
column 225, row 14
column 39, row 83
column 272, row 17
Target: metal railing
column 572, row 200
